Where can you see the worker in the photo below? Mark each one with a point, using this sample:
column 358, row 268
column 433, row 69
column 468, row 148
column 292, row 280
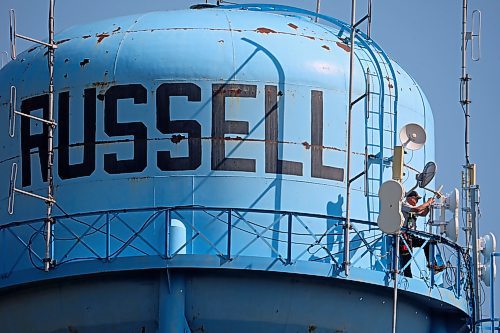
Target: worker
column 410, row 212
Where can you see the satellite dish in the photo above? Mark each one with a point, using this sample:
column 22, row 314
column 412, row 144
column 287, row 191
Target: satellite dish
column 489, row 246
column 412, row 136
column 390, row 220
column 426, row 176
column 486, row 271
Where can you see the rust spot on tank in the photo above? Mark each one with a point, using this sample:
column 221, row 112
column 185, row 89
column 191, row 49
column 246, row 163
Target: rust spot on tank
column 101, row 84
column 100, row 96
column 32, row 49
column 86, row 36
column 62, row 41
column 84, row 62
column 390, row 85
column 101, row 36
column 310, row 37
column 344, row 47
column 325, row 47
column 177, row 138
column 265, row 31
column 117, row 29
column 66, row 60
column 221, row 41
column 293, row 26
column 306, row 144
column 236, row 91
column 65, row 76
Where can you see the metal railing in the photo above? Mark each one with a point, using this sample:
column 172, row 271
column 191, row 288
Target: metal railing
column 229, row 233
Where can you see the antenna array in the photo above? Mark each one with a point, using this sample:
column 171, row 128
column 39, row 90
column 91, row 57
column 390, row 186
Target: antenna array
column 50, row 123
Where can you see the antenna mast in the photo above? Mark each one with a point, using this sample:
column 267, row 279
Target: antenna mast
column 469, row 185
column 50, row 123
column 50, row 167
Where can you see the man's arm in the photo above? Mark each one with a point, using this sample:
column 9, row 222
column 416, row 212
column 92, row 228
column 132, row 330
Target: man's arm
column 423, row 209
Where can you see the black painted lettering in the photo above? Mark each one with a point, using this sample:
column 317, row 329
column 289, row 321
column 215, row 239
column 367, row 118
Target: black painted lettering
column 221, row 127
column 137, row 129
column 35, row 141
column 273, row 163
column 166, row 126
column 318, row 170
column 87, row 166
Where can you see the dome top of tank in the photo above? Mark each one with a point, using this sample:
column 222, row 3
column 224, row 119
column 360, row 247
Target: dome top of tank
column 221, row 43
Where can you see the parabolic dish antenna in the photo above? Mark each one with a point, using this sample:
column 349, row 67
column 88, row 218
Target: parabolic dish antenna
column 412, row 136
column 427, row 175
column 486, row 272
column 490, row 245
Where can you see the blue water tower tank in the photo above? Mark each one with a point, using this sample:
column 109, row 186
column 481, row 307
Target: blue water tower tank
column 200, row 179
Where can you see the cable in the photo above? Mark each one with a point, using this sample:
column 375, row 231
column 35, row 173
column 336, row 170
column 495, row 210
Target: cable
column 30, row 251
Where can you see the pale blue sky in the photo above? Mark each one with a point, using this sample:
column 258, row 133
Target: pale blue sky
column 422, row 36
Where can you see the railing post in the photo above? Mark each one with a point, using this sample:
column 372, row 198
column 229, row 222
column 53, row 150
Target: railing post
column 167, row 233
column 459, row 270
column 229, row 229
column 492, row 293
column 289, row 241
column 108, row 237
column 432, row 261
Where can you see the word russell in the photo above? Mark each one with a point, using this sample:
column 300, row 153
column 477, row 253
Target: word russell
column 32, row 143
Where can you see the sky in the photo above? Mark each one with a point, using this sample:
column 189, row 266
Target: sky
column 424, row 37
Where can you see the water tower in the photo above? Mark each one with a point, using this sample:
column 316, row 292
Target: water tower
column 199, row 179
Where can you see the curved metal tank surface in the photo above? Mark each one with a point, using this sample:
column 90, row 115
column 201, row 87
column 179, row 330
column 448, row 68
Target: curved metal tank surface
column 200, row 179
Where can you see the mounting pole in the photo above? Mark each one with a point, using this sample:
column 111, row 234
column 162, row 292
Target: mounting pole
column 396, row 271
column 347, row 225
column 470, row 187
column 465, row 79
column 50, row 166
column 318, row 3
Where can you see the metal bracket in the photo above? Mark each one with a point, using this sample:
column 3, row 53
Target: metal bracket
column 13, row 190
column 14, row 35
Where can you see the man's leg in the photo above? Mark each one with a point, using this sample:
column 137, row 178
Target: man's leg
column 404, row 258
column 419, row 242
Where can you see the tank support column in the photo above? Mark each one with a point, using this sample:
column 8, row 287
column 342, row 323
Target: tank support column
column 172, row 303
